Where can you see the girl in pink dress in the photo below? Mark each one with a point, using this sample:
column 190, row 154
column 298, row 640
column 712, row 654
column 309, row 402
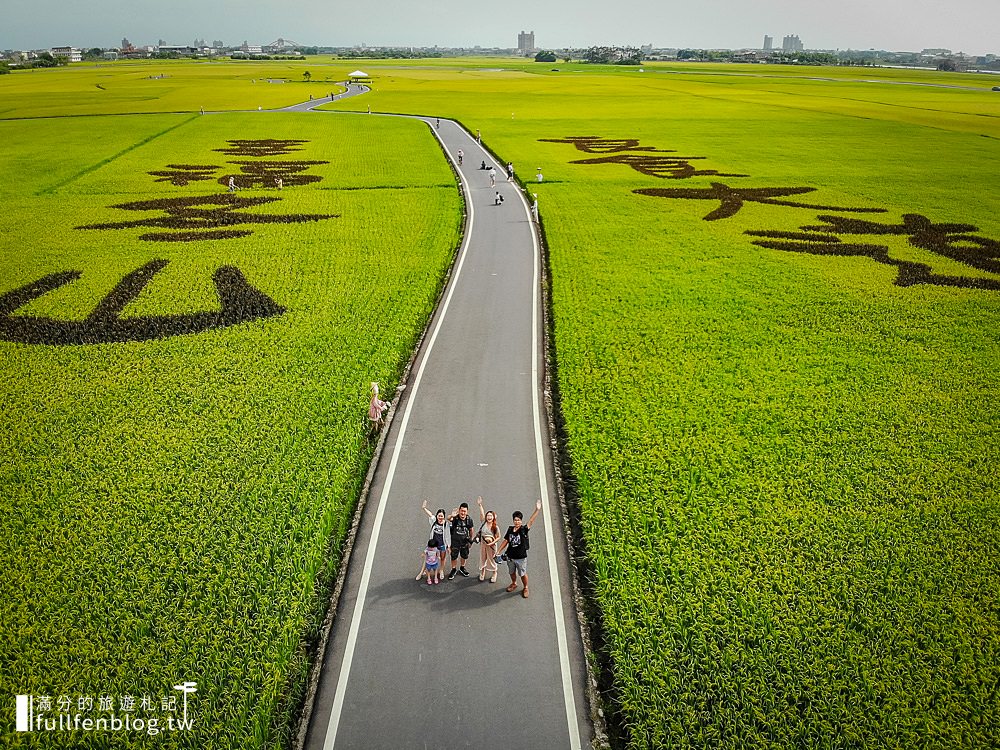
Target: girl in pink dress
column 431, row 563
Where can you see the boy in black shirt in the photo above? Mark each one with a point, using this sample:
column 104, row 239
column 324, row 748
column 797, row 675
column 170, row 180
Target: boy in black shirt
column 461, row 539
column 515, row 541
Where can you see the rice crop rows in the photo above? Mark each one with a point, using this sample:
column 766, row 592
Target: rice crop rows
column 774, row 308
column 184, row 399
column 774, row 302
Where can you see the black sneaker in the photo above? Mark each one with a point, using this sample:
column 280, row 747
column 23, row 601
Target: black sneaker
column 463, row 571
column 451, row 575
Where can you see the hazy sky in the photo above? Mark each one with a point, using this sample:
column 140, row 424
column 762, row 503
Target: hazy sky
column 972, row 26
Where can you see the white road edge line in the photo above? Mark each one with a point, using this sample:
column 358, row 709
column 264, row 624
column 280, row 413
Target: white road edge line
column 352, row 636
column 543, row 484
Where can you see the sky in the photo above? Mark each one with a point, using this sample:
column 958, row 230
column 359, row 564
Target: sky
column 970, row 26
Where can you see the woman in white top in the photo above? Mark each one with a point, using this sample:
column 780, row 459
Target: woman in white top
column 439, row 533
column 489, row 535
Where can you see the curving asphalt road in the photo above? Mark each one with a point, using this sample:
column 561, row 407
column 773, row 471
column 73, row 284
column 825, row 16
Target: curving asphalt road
column 463, row 663
column 351, row 89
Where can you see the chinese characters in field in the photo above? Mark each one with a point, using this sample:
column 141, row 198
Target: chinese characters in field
column 180, row 219
column 958, row 242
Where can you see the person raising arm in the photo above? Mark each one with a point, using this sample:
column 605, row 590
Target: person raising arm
column 515, row 541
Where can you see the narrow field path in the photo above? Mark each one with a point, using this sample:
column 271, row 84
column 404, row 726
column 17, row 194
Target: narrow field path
column 463, row 663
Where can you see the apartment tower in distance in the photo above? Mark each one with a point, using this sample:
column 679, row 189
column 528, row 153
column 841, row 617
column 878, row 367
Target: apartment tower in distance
column 791, row 43
column 526, row 43
column 768, row 43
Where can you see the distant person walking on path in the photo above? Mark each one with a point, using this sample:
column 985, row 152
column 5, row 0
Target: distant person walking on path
column 460, row 156
column 439, row 535
column 493, row 177
column 479, row 137
column 460, row 530
column 510, row 171
column 489, row 537
column 376, row 411
column 515, row 541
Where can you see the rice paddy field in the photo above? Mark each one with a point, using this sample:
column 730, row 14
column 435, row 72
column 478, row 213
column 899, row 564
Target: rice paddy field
column 184, row 398
column 775, row 306
column 145, row 86
column 775, row 296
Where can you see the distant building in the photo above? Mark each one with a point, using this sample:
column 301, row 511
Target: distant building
column 526, row 42
column 768, row 43
column 177, row 49
column 72, row 53
column 791, row 43
column 936, row 51
column 218, row 44
column 251, row 49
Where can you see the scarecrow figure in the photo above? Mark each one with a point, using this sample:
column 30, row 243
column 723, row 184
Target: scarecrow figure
column 376, row 411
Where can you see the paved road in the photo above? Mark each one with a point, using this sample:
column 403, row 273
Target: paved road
column 463, row 663
column 353, row 89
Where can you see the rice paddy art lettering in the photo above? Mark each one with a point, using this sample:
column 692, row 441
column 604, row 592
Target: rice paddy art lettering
column 185, row 214
column 731, row 200
column 955, row 241
column 193, row 218
column 592, row 144
column 182, row 174
column 264, row 173
column 664, row 167
column 959, row 242
column 262, row 147
column 202, row 217
column 240, row 302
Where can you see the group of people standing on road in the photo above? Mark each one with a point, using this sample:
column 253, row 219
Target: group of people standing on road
column 452, row 536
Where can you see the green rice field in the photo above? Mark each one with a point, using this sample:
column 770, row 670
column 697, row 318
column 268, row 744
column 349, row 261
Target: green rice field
column 775, row 296
column 781, row 441
column 175, row 489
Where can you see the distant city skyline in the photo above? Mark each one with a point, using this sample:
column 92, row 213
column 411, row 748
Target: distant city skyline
column 968, row 26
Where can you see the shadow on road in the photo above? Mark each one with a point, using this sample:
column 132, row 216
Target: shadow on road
column 459, row 595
